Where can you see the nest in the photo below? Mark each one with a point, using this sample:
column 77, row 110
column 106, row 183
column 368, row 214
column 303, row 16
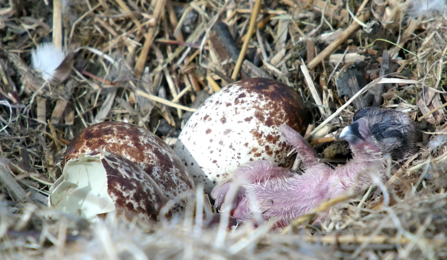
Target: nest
column 152, row 63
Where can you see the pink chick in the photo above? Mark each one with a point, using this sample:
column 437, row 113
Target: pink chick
column 275, row 192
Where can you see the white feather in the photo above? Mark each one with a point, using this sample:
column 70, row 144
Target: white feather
column 46, row 58
column 428, row 8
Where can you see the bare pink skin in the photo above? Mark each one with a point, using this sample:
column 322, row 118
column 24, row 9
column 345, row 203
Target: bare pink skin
column 281, row 194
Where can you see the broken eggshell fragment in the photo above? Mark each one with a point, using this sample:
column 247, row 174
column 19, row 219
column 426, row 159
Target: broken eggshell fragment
column 137, row 149
column 239, row 124
column 140, row 146
column 101, row 182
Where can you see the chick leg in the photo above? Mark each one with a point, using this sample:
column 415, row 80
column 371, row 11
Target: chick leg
column 303, row 148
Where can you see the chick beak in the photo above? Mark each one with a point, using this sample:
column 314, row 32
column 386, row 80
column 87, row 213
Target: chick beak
column 345, row 132
column 351, row 133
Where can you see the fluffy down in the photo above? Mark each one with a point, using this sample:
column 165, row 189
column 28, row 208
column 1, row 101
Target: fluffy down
column 46, row 59
column 277, row 192
column 274, row 192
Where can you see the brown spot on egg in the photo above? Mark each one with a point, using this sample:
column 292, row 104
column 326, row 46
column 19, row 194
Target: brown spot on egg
column 272, row 139
column 270, row 121
column 208, row 131
column 248, row 119
column 239, row 99
column 286, row 105
column 257, row 135
column 223, row 120
column 268, row 150
column 133, row 191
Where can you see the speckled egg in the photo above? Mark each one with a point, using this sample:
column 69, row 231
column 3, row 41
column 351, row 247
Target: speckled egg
column 136, row 150
column 140, row 146
column 239, row 124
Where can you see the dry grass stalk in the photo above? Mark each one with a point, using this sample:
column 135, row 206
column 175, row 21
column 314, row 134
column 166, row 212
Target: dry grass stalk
column 250, row 31
column 139, row 67
column 364, row 15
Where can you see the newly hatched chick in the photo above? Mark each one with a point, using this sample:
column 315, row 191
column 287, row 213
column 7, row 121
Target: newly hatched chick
column 279, row 193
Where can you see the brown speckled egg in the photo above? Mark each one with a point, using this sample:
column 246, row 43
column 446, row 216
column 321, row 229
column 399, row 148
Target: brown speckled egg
column 140, row 146
column 120, row 167
column 100, row 182
column 239, row 124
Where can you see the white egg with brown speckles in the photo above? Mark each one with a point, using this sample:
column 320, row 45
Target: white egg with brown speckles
column 239, row 124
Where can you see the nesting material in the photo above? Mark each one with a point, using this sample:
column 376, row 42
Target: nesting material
column 39, row 121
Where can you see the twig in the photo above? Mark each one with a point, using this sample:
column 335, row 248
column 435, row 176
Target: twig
column 323, row 140
column 183, row 92
column 384, row 69
column 313, row 91
column 139, row 67
column 163, row 101
column 261, row 24
column 250, row 32
column 334, row 45
column 57, row 23
column 213, row 83
column 53, row 133
column 361, row 92
column 366, row 88
column 173, row 19
column 80, row 19
column 127, row 10
column 355, row 239
column 7, row 179
column 431, row 112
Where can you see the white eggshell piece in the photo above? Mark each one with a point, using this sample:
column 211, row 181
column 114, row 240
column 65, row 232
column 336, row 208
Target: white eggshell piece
column 101, row 182
column 82, row 188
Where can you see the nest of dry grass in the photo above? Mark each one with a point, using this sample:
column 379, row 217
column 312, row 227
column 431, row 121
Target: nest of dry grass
column 151, row 63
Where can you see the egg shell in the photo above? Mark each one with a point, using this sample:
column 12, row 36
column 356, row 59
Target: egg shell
column 97, row 183
column 239, row 124
column 140, row 146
